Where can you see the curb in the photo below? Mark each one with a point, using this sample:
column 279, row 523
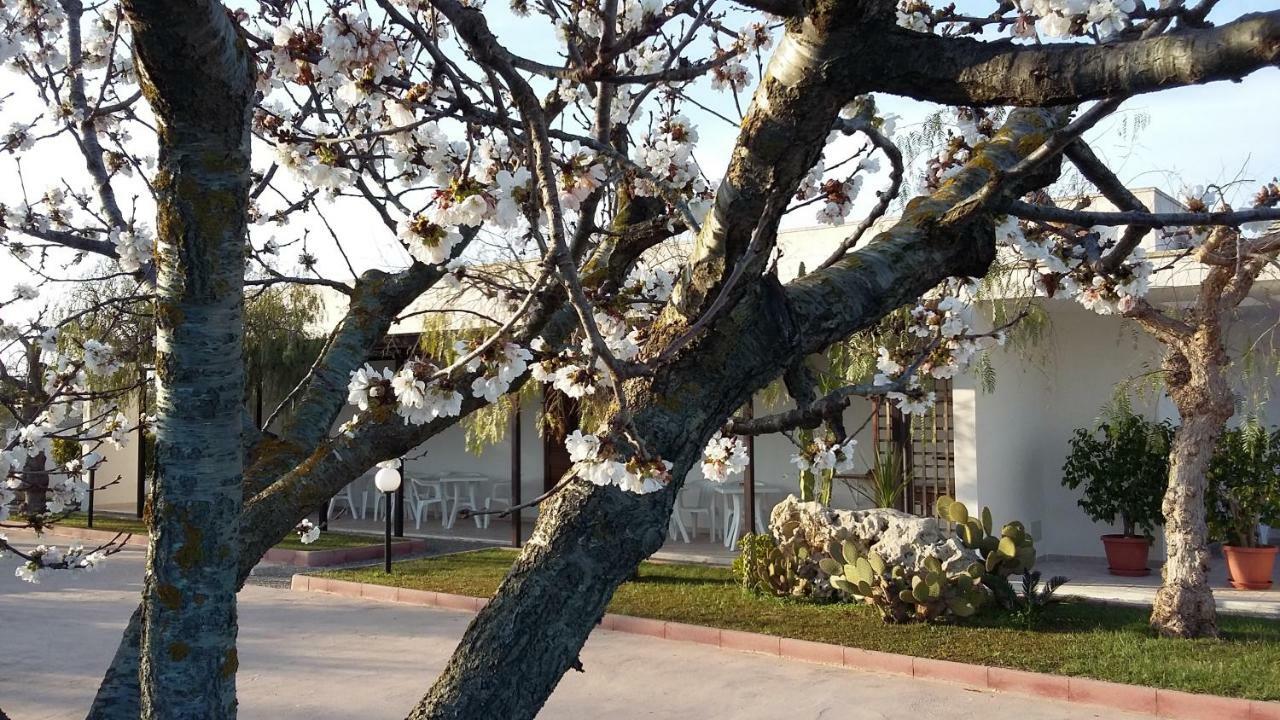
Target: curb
column 92, row 535
column 303, row 558
column 339, row 556
column 1158, row 702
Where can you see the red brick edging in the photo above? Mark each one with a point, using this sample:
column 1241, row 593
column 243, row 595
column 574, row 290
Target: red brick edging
column 338, row 556
column 1133, row 698
column 304, row 558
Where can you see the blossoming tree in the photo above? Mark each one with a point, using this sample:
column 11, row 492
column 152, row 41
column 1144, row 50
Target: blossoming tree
column 580, row 161
column 1226, row 262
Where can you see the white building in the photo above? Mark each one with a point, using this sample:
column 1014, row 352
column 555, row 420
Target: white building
column 1003, row 448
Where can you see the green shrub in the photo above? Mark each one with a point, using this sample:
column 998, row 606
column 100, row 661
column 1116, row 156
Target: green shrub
column 1123, row 466
column 1244, row 484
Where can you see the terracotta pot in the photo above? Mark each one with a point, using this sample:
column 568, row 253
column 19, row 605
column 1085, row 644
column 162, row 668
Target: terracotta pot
column 1126, row 555
column 1250, row 568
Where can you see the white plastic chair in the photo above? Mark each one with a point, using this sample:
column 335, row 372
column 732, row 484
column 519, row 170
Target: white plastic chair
column 410, row 501
column 499, row 494
column 426, row 492
column 347, row 495
column 689, row 502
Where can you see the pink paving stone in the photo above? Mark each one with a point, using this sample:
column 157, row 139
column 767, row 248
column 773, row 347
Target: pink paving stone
column 1193, row 706
column 1133, row 698
column 300, row 582
column 1028, row 683
column 317, row 583
column 693, row 633
column 811, row 651
column 1259, row 710
column 972, row 675
column 416, row 597
column 607, row 622
column 385, row 593
column 456, row 602
column 639, row 626
column 873, row 661
column 750, row 642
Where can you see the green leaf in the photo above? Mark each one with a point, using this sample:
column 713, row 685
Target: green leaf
column 1007, row 547
column 830, row 566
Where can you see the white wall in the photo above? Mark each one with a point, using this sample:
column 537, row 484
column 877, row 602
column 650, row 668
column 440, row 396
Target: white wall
column 1011, row 443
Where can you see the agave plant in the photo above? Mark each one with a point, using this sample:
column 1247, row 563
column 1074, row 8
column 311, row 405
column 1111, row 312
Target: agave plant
column 887, row 479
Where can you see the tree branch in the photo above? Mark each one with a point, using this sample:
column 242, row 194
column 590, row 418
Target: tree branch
column 1143, row 219
column 963, row 71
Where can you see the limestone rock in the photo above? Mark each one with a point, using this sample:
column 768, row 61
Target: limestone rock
column 900, row 538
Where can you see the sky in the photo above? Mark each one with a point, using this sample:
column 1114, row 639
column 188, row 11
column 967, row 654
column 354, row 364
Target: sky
column 1215, row 133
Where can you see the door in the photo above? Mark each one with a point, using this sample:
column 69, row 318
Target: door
column 560, row 417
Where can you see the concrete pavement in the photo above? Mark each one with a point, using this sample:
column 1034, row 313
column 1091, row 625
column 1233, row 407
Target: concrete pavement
column 314, row 656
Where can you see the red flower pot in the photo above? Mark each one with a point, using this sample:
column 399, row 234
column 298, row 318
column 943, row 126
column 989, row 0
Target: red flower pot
column 1250, row 568
column 1126, row 555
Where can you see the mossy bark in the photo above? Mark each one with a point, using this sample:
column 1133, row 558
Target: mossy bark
column 198, row 77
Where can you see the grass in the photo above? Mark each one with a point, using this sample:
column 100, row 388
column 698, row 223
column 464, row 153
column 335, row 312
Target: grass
column 133, row 525
column 1105, row 642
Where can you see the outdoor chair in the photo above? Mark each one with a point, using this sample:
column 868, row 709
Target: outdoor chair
column 426, row 492
column 347, row 495
column 689, row 501
column 499, row 495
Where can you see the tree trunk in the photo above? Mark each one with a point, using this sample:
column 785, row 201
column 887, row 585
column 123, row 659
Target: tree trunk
column 198, row 78
column 588, row 540
column 1196, row 379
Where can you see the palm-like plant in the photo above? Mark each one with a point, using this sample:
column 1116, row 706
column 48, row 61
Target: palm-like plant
column 887, row 479
column 1036, row 596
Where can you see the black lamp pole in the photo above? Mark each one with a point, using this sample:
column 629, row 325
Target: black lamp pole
column 91, row 491
column 387, row 545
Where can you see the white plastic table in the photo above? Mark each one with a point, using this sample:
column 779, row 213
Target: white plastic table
column 454, row 485
column 730, row 495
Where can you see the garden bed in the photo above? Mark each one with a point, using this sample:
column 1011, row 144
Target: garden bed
column 1073, row 638
column 331, row 548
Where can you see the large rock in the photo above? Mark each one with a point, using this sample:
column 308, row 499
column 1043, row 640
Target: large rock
column 898, row 537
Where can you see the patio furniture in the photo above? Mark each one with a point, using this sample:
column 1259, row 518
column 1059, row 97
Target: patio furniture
column 347, row 495
column 410, row 501
column 457, row 485
column 687, row 502
column 730, row 498
column 427, row 491
column 499, row 495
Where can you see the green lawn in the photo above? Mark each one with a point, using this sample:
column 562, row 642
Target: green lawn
column 327, row 541
column 1073, row 638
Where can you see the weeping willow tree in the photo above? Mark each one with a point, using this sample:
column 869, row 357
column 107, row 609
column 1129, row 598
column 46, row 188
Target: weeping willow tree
column 281, row 341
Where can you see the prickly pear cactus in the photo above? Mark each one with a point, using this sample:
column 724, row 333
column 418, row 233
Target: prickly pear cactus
column 766, row 566
column 1012, row 552
column 927, row 594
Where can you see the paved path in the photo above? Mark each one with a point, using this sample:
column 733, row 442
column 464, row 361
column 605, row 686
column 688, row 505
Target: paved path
column 1090, row 579
column 315, row 656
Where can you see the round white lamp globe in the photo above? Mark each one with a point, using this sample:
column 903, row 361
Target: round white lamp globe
column 387, row 479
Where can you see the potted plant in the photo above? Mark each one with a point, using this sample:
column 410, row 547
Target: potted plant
column 1244, row 492
column 1123, row 467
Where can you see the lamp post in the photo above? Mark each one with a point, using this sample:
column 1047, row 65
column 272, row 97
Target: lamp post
column 387, row 480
